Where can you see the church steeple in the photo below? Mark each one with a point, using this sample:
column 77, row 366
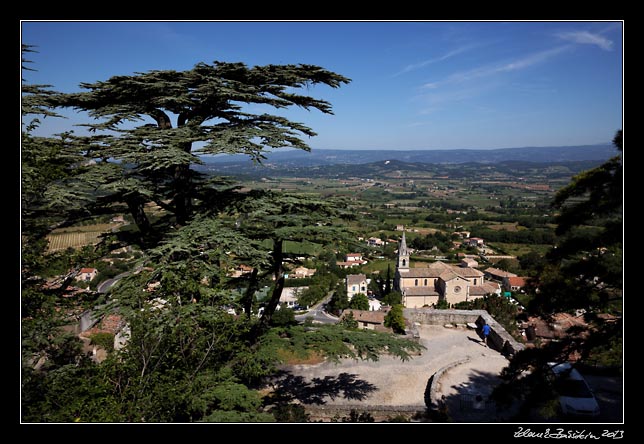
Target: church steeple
column 403, row 254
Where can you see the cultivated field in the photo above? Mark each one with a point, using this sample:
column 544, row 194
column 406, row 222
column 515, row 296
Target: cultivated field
column 77, row 237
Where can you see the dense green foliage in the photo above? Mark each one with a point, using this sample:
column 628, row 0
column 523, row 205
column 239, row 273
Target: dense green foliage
column 359, row 302
column 208, row 102
column 105, row 340
column 339, row 301
column 583, row 271
column 395, row 319
column 392, row 298
column 533, row 236
column 433, row 240
column 348, row 320
column 186, row 357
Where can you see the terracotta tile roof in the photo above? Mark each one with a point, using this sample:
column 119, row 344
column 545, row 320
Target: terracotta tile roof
column 87, row 270
column 491, row 287
column 448, row 275
column 499, row 273
column 354, row 279
column 421, row 273
column 371, row 317
column 420, row 291
column 468, row 272
column 443, row 271
column 482, row 290
column 469, row 262
column 565, row 320
column 111, row 323
column 516, row 281
column 438, row 265
column 559, row 326
column 477, row 290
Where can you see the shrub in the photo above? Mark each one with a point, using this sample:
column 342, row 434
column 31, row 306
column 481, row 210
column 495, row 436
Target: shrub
column 105, row 340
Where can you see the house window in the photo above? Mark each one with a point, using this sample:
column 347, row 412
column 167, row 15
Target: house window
column 474, row 281
column 425, row 282
column 457, row 289
column 416, row 282
column 353, row 288
column 404, row 262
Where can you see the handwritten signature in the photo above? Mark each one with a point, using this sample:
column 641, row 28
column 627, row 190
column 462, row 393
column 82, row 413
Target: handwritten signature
column 568, row 434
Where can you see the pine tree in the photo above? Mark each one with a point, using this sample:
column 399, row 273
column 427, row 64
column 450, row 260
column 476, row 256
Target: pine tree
column 583, row 271
column 187, row 359
column 207, row 104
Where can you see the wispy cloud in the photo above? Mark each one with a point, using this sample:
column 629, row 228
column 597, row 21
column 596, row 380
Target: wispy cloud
column 448, row 55
column 417, row 124
column 587, row 38
column 489, row 70
column 435, row 100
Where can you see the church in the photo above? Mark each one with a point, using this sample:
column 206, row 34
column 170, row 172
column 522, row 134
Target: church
column 425, row 286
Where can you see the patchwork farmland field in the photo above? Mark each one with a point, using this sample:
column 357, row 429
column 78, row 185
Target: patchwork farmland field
column 77, row 237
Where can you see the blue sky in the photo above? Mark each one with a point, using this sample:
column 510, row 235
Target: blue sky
column 415, row 85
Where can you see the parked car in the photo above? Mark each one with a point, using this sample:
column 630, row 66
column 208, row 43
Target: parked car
column 575, row 396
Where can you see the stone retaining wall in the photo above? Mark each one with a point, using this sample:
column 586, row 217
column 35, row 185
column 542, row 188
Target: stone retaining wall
column 434, row 383
column 380, row 413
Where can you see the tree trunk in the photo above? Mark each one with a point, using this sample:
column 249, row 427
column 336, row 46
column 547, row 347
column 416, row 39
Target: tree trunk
column 278, row 272
column 253, row 286
column 135, row 205
column 183, row 189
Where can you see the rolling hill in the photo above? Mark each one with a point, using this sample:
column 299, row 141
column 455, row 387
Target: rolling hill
column 317, row 157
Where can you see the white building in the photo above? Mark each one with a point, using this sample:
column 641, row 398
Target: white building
column 356, row 283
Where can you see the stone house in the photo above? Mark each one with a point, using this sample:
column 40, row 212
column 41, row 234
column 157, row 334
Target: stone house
column 514, row 283
column 356, row 283
column 302, row 272
column 368, row 320
column 86, row 274
column 497, row 274
column 469, row 262
column 352, row 260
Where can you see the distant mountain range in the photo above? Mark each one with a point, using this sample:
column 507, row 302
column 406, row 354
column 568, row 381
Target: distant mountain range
column 322, row 157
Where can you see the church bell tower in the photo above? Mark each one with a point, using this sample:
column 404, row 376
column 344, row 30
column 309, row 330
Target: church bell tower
column 403, row 255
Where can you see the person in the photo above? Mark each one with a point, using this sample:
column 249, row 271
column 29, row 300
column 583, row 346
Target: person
column 486, row 333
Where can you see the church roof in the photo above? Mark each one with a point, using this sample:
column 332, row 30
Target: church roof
column 482, row 290
column 421, row 272
column 469, row 272
column 420, row 291
column 448, row 275
column 438, row 265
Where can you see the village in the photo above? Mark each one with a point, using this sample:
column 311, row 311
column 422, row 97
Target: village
column 436, row 285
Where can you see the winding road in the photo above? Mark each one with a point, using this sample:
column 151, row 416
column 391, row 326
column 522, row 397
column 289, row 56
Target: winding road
column 318, row 314
column 104, row 286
